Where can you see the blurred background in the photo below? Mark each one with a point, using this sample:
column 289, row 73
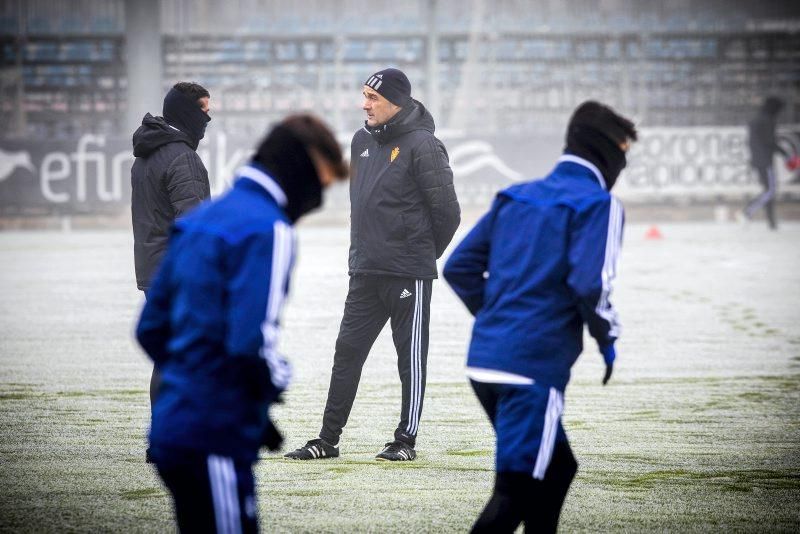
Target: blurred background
column 500, row 78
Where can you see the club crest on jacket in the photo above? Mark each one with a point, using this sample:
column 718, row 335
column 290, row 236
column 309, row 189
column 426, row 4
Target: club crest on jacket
column 395, row 152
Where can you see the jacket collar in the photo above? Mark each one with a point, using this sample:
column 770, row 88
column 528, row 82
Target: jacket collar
column 252, row 171
column 394, row 127
column 570, row 158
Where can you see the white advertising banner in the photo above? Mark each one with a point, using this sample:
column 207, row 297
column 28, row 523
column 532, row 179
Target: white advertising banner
column 698, row 163
column 91, row 173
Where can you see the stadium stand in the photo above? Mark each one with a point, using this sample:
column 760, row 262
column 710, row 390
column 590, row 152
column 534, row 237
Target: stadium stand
column 674, row 63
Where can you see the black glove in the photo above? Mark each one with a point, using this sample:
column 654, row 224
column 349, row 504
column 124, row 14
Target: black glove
column 609, row 355
column 271, row 438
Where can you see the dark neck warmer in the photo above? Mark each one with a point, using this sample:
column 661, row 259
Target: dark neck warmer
column 287, row 161
column 185, row 114
column 595, row 146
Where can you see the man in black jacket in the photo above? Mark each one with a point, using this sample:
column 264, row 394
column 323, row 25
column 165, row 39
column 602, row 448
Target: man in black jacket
column 404, row 213
column 167, row 179
column 763, row 146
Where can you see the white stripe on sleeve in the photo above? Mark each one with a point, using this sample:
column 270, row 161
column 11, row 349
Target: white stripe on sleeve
column 613, row 244
column 282, row 247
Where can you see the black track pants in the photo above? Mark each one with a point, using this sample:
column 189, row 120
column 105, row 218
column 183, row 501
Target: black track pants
column 371, row 301
column 766, row 200
column 212, row 494
column 518, row 497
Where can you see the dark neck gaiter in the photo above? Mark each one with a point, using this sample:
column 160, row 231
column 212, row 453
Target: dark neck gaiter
column 185, row 114
column 593, row 145
column 287, row 161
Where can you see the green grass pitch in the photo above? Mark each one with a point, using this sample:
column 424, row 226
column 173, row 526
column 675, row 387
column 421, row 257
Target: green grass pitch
column 699, row 430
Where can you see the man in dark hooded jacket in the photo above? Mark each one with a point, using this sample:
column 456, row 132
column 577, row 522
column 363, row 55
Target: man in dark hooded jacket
column 404, row 213
column 167, row 179
column 763, row 146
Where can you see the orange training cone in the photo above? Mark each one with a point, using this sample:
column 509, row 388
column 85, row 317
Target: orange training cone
column 653, row 233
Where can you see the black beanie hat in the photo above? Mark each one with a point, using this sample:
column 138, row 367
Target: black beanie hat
column 287, row 161
column 594, row 133
column 392, row 84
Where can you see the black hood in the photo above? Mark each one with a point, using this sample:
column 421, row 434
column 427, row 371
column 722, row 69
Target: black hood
column 595, row 145
column 596, row 133
column 412, row 117
column 772, row 106
column 154, row 133
column 185, row 114
column 284, row 157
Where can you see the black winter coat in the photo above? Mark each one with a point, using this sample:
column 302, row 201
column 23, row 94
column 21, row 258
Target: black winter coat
column 762, row 140
column 403, row 207
column 167, row 179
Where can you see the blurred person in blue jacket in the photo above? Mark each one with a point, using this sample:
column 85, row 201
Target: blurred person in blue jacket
column 211, row 325
column 536, row 268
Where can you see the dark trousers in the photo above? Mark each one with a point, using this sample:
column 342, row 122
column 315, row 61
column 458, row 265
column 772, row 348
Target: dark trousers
column 766, row 200
column 371, row 301
column 213, row 494
column 520, row 498
column 535, row 464
column 155, row 377
column 155, row 384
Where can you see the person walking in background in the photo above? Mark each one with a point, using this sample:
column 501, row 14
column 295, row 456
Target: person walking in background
column 404, row 213
column 167, row 180
column 536, row 268
column 211, row 325
column 763, row 146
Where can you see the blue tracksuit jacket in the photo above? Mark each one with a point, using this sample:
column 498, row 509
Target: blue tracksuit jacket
column 537, row 267
column 210, row 323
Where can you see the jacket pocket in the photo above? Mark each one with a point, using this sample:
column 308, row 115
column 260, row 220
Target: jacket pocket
column 407, row 246
column 417, row 229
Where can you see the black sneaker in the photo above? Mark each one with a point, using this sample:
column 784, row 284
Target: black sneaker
column 313, row 450
column 397, row 451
